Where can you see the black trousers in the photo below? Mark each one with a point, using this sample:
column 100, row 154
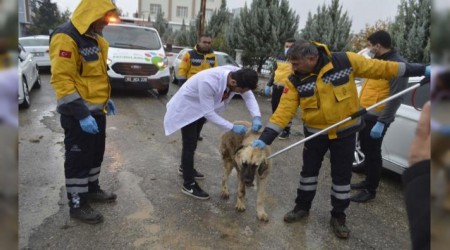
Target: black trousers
column 277, row 91
column 372, row 151
column 341, row 158
column 189, row 135
column 84, row 155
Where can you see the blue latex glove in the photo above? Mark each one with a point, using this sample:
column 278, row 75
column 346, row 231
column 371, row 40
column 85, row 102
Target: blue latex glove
column 377, row 130
column 267, row 90
column 89, row 125
column 258, row 144
column 427, row 71
column 239, row 129
column 110, row 108
column 256, row 123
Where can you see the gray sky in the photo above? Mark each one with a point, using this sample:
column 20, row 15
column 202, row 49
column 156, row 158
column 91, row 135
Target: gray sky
column 361, row 12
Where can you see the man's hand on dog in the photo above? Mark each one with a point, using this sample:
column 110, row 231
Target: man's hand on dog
column 239, row 129
column 258, row 144
column 256, row 123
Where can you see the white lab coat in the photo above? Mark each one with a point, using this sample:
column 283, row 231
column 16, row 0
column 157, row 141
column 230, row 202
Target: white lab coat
column 201, row 96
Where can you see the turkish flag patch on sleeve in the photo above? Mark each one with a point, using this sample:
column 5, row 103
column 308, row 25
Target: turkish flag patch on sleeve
column 285, row 90
column 64, row 53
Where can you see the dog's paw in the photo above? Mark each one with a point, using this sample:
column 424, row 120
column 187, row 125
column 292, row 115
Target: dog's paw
column 225, row 195
column 240, row 207
column 263, row 217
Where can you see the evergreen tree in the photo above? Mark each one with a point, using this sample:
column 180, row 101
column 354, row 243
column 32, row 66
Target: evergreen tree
column 411, row 30
column 180, row 37
column 330, row 26
column 219, row 20
column 161, row 24
column 231, row 40
column 263, row 29
column 46, row 17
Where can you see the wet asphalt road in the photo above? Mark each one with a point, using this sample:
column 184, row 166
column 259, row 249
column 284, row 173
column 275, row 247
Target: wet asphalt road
column 140, row 165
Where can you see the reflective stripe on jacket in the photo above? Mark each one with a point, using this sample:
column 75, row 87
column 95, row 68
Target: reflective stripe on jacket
column 194, row 61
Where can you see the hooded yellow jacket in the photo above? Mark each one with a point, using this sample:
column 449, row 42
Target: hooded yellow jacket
column 329, row 95
column 78, row 62
column 194, row 61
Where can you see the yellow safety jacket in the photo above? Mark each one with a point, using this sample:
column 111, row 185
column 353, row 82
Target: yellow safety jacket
column 78, row 62
column 374, row 91
column 329, row 95
column 194, row 61
column 282, row 71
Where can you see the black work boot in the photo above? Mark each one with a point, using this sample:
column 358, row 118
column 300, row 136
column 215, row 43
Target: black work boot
column 339, row 227
column 363, row 196
column 359, row 185
column 295, row 215
column 81, row 210
column 99, row 195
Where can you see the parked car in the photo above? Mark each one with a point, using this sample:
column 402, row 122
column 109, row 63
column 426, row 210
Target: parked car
column 222, row 59
column 172, row 53
column 38, row 46
column 28, row 77
column 399, row 136
column 136, row 58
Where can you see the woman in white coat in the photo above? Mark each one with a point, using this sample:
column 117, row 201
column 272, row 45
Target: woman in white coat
column 201, row 98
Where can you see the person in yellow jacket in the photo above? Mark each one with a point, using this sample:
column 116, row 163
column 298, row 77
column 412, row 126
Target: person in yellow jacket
column 377, row 120
column 323, row 85
column 200, row 58
column 282, row 70
column 78, row 55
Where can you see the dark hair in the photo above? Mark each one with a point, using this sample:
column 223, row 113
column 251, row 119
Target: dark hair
column 302, row 48
column 245, row 78
column 382, row 37
column 290, row 40
column 204, row 35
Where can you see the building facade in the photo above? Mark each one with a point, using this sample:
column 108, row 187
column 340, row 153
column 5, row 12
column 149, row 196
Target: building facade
column 175, row 11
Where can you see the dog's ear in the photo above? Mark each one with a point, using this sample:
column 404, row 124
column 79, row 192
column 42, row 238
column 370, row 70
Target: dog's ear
column 263, row 168
column 238, row 158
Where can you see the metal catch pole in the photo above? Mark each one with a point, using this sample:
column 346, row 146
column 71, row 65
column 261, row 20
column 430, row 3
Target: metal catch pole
column 353, row 116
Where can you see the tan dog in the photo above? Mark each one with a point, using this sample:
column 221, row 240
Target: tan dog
column 249, row 162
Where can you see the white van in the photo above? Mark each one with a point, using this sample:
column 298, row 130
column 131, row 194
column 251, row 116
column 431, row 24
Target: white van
column 136, row 58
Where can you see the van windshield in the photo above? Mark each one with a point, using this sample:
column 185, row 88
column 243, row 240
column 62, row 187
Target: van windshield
column 131, row 38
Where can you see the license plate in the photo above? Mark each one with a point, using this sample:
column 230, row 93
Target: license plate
column 136, row 79
column 38, row 53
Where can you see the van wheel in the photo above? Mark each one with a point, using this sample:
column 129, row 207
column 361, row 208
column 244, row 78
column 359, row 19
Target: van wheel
column 359, row 158
column 163, row 91
column 26, row 94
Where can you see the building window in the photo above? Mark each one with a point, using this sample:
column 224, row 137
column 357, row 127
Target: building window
column 182, row 11
column 155, row 9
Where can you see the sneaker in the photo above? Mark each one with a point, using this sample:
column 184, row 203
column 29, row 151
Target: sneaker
column 295, row 215
column 359, row 185
column 86, row 213
column 339, row 227
column 284, row 135
column 195, row 191
column 100, row 196
column 197, row 175
column 363, row 196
